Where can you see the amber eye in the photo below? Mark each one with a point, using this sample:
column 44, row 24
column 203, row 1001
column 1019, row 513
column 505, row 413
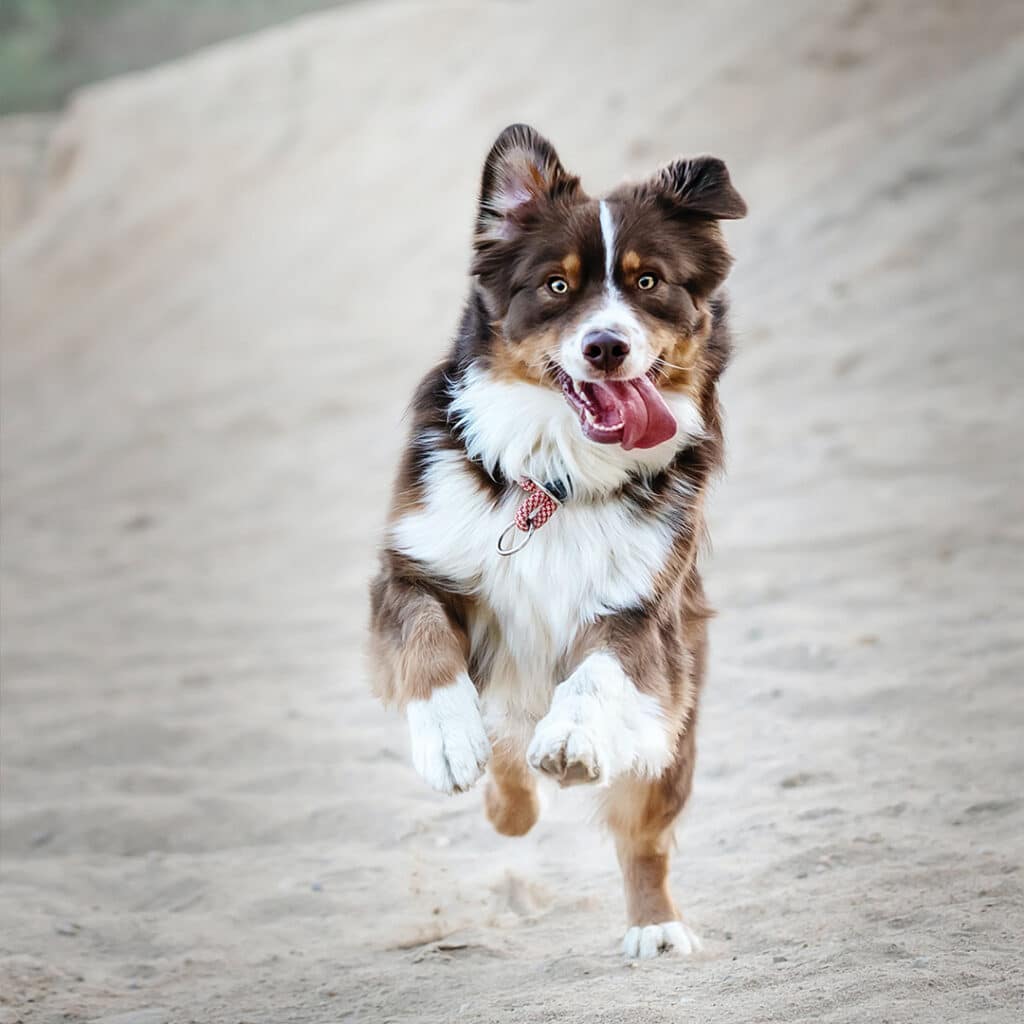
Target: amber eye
column 558, row 285
column 645, row 282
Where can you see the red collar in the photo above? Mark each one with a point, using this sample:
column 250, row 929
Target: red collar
column 542, row 501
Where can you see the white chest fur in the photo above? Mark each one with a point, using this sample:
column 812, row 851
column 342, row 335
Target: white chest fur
column 591, row 558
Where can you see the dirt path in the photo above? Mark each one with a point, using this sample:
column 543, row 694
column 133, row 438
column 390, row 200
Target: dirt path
column 210, row 329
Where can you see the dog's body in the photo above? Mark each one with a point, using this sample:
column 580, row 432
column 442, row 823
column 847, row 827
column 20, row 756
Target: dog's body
column 585, row 367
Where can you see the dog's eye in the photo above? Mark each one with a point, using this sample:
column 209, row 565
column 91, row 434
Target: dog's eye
column 558, row 285
column 645, row 282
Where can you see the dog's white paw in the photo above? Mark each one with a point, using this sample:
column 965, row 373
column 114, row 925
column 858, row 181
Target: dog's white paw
column 450, row 748
column 647, row 941
column 599, row 727
column 570, row 752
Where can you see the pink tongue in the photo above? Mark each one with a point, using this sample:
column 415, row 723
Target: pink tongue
column 646, row 419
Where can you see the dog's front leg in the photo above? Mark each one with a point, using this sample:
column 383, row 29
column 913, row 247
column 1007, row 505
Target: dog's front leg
column 600, row 727
column 603, row 728
column 421, row 658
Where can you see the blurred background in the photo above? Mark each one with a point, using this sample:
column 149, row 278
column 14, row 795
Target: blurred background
column 51, row 47
column 234, row 235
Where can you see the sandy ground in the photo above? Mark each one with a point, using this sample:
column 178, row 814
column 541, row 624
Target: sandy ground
column 211, row 324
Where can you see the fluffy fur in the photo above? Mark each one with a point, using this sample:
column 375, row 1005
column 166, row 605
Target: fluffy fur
column 581, row 657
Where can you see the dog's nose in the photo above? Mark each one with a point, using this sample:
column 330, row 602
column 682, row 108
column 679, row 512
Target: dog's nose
column 604, row 350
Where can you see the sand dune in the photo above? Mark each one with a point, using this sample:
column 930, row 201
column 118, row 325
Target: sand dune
column 211, row 323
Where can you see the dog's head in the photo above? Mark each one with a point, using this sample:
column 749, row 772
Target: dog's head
column 607, row 300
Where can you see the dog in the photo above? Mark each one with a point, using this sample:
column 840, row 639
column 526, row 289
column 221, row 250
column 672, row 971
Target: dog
column 539, row 607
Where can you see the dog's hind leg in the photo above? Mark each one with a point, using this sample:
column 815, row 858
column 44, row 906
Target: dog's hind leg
column 511, row 794
column 641, row 814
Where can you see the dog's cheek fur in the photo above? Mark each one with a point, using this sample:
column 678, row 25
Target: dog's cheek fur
column 528, row 316
column 526, row 359
column 491, row 269
column 708, row 260
column 526, row 340
column 688, row 366
column 529, row 338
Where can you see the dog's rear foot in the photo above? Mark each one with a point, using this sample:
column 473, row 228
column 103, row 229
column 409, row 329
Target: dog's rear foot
column 512, row 810
column 647, row 941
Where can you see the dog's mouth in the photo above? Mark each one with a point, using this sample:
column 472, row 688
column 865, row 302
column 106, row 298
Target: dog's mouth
column 627, row 412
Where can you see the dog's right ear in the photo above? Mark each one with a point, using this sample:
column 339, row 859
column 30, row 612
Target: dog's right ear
column 521, row 172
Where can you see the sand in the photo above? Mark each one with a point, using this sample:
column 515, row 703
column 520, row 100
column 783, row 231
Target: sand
column 211, row 323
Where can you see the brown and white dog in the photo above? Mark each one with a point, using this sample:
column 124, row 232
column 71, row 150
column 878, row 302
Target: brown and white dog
column 580, row 390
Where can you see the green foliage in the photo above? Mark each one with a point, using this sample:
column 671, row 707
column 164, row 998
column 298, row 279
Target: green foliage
column 50, row 47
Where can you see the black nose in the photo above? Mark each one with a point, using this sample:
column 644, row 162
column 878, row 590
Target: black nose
column 604, row 350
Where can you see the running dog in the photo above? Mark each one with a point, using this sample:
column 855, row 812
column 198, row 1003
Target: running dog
column 539, row 607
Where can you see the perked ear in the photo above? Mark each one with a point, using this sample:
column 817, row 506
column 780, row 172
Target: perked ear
column 702, row 186
column 521, row 171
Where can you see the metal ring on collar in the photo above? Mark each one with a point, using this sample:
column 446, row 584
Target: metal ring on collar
column 508, row 547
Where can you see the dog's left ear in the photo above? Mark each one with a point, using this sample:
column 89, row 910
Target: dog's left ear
column 521, row 172
column 701, row 186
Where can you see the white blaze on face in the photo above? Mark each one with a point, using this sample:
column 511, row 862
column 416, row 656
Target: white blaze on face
column 613, row 314
column 608, row 237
